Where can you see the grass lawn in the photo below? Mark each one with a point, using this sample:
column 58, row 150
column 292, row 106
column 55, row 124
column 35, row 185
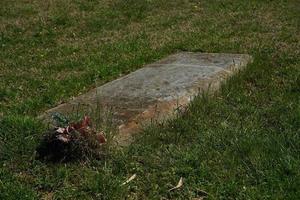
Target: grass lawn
column 241, row 143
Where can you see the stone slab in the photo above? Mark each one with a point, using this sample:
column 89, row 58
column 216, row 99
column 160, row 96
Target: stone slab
column 154, row 91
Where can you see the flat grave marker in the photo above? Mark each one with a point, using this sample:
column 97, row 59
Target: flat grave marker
column 156, row 90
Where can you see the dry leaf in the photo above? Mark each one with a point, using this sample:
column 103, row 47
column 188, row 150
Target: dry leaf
column 202, row 192
column 83, row 124
column 61, row 130
column 64, row 138
column 130, row 179
column 69, row 129
column 179, row 185
column 100, row 137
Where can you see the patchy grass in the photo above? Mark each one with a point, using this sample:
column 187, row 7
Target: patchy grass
column 242, row 143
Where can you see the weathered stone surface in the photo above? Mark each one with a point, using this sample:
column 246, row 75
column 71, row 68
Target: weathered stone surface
column 155, row 90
